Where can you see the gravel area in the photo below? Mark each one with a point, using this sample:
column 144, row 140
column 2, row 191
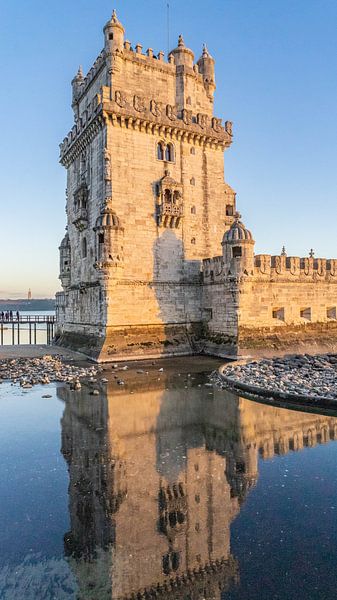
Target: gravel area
column 291, row 376
column 32, row 371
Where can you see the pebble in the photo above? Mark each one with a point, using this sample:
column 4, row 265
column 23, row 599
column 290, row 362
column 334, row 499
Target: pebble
column 49, row 369
column 296, row 375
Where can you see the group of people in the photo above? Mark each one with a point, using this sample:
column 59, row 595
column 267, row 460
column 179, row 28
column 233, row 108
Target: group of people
column 9, row 315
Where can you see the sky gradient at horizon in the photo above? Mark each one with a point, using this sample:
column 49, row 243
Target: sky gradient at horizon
column 276, row 73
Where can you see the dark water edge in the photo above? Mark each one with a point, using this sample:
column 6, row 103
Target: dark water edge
column 165, row 487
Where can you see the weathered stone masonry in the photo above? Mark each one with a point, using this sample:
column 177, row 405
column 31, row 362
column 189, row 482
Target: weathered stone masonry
column 147, row 205
column 146, row 200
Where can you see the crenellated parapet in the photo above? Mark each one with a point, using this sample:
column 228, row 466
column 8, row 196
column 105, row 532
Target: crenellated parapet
column 294, row 268
column 213, row 270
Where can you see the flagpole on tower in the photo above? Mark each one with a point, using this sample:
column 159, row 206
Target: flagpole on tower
column 168, row 28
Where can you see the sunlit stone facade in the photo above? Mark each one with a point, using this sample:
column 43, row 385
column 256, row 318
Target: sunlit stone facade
column 147, row 206
column 146, row 200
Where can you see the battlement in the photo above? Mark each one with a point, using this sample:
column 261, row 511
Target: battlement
column 294, row 267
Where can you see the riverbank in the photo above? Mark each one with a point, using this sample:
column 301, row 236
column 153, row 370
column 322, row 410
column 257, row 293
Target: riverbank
column 38, row 351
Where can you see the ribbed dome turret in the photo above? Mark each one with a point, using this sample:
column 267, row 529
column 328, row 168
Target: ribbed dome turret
column 65, row 242
column 107, row 219
column 237, row 232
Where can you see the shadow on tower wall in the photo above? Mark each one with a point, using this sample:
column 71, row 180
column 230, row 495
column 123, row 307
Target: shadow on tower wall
column 177, row 287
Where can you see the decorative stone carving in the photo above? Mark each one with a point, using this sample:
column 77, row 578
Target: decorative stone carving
column 120, row 99
column 170, row 207
column 80, row 207
column 216, row 124
column 171, row 112
column 278, row 264
column 139, row 103
column 187, row 116
column 202, row 120
column 155, row 108
column 107, row 165
column 229, row 127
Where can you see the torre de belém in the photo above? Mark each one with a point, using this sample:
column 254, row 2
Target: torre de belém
column 155, row 260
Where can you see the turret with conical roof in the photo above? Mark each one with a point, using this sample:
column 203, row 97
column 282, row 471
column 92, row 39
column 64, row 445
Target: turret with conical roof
column 206, row 67
column 182, row 54
column 113, row 34
column 76, row 85
column 238, row 249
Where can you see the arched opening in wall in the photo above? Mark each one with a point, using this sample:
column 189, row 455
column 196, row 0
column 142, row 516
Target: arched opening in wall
column 236, row 251
column 111, row 36
column 305, row 313
column 167, row 196
column 229, row 210
column 169, row 153
column 176, row 197
column 84, row 248
column 193, row 210
column 278, row 313
column 192, row 151
column 160, row 151
column 331, row 313
column 192, row 181
column 193, row 241
column 100, row 244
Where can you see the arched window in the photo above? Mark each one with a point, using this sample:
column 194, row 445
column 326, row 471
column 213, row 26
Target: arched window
column 160, row 151
column 169, row 153
column 193, row 241
column 229, row 210
column 192, row 181
column 167, row 196
column 192, row 151
column 193, row 210
column 84, row 248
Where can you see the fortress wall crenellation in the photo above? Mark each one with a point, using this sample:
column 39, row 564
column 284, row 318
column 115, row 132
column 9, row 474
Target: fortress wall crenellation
column 294, row 267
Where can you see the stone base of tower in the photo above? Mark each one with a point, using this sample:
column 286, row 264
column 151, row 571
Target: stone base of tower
column 132, row 342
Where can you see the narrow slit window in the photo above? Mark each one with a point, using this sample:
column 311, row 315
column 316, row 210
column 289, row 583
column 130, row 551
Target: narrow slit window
column 84, row 248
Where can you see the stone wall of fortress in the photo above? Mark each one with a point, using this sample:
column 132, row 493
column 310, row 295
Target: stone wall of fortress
column 284, row 303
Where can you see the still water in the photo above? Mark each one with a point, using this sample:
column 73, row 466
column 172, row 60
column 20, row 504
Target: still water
column 165, row 488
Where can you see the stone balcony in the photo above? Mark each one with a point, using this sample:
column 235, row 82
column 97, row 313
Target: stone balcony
column 80, row 218
column 170, row 214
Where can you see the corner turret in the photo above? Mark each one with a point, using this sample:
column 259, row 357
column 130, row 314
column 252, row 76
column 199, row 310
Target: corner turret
column 182, row 55
column 113, row 35
column 76, row 85
column 206, row 67
column 238, row 250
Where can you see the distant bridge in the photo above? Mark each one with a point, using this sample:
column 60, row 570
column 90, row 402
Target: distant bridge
column 30, row 323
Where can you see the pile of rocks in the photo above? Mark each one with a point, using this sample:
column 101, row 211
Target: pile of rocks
column 31, row 371
column 305, row 376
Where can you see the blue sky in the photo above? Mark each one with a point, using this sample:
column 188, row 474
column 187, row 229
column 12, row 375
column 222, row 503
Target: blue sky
column 276, row 80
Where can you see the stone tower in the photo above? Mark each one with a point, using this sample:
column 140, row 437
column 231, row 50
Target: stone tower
column 146, row 200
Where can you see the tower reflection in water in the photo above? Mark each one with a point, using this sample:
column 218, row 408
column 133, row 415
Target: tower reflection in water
column 156, row 479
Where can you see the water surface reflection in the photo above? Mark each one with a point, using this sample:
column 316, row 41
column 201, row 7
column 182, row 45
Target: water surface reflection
column 158, row 473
